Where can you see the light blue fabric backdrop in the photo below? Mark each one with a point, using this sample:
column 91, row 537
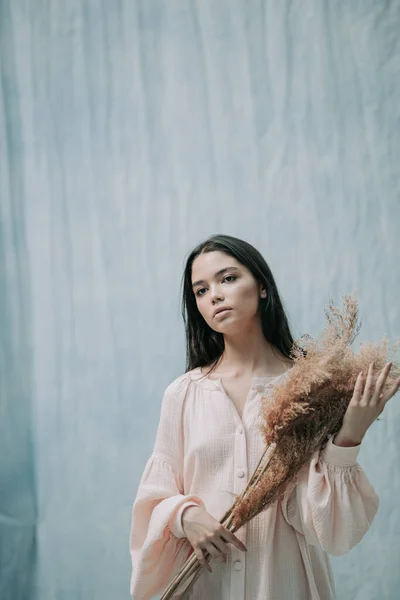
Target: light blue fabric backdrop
column 129, row 131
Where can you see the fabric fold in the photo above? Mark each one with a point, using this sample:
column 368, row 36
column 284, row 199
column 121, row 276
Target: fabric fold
column 157, row 543
column 332, row 502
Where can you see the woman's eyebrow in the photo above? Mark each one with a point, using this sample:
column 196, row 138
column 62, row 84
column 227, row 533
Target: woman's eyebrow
column 217, row 274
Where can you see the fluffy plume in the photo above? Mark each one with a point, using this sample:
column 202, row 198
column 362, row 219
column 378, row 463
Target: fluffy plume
column 308, row 403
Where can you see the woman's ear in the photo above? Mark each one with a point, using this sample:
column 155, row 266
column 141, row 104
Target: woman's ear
column 263, row 292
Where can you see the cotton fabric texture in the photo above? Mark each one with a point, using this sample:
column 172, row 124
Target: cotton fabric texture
column 204, row 454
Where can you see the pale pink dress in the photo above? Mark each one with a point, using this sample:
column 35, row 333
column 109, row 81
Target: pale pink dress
column 204, row 454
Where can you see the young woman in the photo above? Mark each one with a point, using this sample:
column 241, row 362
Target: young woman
column 208, row 444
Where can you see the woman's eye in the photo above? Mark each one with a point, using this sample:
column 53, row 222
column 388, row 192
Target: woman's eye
column 228, row 278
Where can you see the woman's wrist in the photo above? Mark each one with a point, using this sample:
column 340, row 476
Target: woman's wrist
column 185, row 513
column 346, row 440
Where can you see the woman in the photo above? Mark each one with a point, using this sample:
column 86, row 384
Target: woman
column 208, row 444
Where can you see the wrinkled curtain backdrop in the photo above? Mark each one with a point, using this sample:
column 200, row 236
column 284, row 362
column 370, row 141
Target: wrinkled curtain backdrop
column 131, row 130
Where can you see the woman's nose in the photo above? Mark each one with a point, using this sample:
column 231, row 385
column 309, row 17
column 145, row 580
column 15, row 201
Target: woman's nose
column 216, row 293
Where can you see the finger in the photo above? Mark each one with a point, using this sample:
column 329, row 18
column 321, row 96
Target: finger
column 222, row 547
column 200, row 557
column 391, row 391
column 231, row 537
column 358, row 388
column 377, row 396
column 213, row 551
column 369, row 386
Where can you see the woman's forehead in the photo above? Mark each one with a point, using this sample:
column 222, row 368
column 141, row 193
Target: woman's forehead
column 209, row 264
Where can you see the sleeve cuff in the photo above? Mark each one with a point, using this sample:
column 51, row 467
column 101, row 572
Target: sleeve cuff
column 175, row 524
column 340, row 456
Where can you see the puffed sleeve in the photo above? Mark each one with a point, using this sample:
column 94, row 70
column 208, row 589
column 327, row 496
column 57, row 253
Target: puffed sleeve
column 332, row 502
column 157, row 544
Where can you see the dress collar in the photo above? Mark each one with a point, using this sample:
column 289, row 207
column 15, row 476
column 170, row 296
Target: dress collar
column 258, row 383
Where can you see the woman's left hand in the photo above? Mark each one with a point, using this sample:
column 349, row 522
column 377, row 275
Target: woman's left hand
column 365, row 408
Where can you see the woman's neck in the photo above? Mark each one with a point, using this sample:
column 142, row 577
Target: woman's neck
column 251, row 355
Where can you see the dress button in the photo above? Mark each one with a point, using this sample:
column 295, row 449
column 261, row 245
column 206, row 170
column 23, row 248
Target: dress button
column 240, row 473
column 240, row 429
column 237, row 565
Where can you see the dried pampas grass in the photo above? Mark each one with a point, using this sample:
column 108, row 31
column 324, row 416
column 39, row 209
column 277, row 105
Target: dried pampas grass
column 304, row 408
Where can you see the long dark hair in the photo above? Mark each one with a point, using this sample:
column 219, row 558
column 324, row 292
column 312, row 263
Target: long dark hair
column 204, row 345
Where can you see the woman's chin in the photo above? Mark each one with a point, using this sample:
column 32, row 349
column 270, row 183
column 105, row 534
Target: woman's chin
column 229, row 328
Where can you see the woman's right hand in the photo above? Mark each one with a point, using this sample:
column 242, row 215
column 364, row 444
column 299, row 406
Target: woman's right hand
column 206, row 533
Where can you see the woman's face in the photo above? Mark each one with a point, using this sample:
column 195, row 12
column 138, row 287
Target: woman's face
column 219, row 281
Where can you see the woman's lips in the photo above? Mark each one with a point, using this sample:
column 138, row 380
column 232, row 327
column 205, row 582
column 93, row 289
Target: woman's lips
column 223, row 312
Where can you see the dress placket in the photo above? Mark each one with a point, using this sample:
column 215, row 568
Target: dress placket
column 240, row 479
